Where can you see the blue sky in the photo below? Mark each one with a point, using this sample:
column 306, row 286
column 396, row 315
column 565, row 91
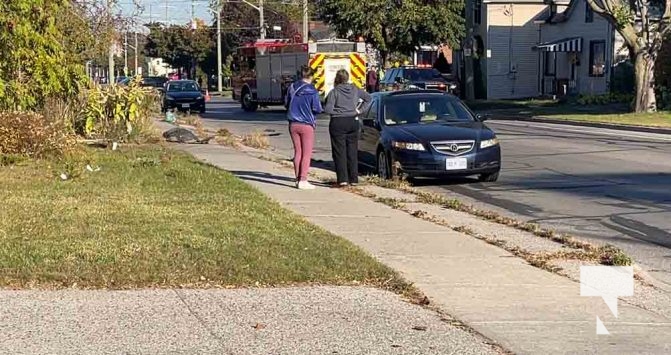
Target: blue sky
column 179, row 11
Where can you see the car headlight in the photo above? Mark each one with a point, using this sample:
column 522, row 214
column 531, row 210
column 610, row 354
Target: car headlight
column 408, row 146
column 453, row 86
column 170, row 98
column 489, row 143
column 199, row 97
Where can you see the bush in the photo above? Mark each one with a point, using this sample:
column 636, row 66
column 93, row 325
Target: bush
column 606, row 99
column 624, row 79
column 120, row 113
column 664, row 98
column 33, row 135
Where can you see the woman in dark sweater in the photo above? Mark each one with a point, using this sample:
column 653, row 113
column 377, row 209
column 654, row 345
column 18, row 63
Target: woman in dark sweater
column 342, row 103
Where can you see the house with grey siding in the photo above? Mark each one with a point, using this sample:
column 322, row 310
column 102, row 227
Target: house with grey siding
column 531, row 48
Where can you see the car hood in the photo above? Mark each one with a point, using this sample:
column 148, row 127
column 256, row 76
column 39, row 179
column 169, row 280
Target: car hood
column 432, row 132
column 184, row 94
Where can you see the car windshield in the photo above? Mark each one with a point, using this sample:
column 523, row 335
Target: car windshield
column 183, row 86
column 421, row 74
column 413, row 109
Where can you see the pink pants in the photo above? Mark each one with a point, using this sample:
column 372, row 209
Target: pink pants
column 303, row 137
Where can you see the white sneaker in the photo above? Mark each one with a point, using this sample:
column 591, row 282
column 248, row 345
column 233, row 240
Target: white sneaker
column 304, row 185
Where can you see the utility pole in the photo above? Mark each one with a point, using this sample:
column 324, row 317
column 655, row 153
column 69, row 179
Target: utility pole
column 125, row 53
column 110, row 72
column 136, row 49
column 261, row 22
column 151, row 18
column 306, row 29
column 219, row 84
column 467, row 50
column 166, row 12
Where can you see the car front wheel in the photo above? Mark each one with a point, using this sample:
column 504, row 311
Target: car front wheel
column 491, row 177
column 384, row 167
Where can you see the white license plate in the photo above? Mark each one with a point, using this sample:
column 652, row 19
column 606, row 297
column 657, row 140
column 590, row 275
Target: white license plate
column 456, row 163
column 186, row 105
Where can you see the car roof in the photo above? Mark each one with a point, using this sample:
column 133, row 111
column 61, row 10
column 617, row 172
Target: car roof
column 412, row 92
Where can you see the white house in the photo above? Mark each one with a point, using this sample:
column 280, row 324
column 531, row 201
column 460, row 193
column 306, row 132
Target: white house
column 530, row 48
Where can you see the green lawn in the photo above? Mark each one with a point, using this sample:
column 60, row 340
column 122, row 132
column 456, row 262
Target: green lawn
column 152, row 217
column 613, row 113
column 660, row 119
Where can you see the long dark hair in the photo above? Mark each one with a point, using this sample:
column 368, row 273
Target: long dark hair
column 342, row 77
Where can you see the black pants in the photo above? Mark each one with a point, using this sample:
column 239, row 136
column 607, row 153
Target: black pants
column 344, row 133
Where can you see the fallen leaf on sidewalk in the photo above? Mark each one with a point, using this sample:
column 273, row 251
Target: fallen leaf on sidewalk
column 259, row 326
column 419, row 327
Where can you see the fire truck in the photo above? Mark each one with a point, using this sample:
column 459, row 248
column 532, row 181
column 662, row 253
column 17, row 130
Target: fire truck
column 263, row 70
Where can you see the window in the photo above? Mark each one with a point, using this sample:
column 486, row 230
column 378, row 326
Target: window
column 597, row 58
column 589, row 13
column 550, row 62
column 390, row 76
column 183, row 86
column 372, row 113
column 477, row 12
column 423, row 109
column 421, row 74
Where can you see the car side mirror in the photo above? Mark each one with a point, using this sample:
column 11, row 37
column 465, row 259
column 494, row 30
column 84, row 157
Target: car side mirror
column 482, row 117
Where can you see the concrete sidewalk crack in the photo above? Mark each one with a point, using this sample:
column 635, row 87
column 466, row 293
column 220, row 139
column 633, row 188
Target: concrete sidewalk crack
column 200, row 319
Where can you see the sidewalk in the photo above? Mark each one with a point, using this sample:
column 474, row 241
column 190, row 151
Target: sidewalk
column 524, row 309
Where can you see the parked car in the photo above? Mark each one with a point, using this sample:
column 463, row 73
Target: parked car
column 157, row 82
column 123, row 80
column 411, row 77
column 184, row 95
column 427, row 133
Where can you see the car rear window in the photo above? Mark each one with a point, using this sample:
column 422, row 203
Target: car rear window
column 421, row 74
column 413, row 109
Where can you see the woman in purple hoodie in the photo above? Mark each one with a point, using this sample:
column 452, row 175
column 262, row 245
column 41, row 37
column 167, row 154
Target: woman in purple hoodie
column 302, row 102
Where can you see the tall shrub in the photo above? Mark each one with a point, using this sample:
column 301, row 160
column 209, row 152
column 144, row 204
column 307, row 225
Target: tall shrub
column 33, row 59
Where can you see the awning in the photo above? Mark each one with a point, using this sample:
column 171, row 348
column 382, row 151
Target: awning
column 563, row 45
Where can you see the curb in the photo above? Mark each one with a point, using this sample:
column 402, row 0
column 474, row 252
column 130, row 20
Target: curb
column 613, row 126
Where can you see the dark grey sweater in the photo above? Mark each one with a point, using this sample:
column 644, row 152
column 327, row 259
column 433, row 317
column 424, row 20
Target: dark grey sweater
column 343, row 100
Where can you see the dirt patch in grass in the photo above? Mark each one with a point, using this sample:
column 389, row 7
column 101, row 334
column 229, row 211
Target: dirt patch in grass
column 151, row 217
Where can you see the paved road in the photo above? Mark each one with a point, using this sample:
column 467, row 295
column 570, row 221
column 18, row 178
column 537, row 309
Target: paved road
column 603, row 185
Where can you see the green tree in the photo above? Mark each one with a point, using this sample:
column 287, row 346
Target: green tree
column 396, row 25
column 36, row 58
column 180, row 46
column 644, row 26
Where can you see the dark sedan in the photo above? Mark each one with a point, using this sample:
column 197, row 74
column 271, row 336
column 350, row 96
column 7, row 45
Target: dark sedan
column 157, row 82
column 427, row 133
column 184, row 95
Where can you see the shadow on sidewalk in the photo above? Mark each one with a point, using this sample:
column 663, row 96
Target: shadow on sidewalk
column 264, row 178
